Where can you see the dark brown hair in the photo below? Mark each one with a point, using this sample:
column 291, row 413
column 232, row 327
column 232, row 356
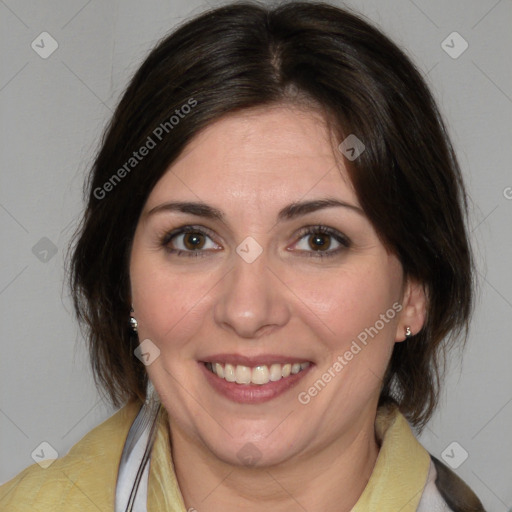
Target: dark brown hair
column 246, row 55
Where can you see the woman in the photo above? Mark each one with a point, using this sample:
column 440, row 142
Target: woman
column 272, row 259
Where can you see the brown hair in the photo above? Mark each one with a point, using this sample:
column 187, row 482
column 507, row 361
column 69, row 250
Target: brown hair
column 245, row 55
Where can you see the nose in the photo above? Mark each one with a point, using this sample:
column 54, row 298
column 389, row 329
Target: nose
column 252, row 301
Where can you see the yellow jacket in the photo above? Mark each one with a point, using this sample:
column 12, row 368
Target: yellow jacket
column 85, row 479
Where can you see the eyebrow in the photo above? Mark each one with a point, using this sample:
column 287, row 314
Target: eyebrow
column 289, row 212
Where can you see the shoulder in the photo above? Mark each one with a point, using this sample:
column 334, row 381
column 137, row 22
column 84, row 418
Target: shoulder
column 446, row 492
column 84, row 479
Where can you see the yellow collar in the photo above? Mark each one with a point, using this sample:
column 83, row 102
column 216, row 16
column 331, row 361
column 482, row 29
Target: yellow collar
column 161, row 473
column 396, row 483
column 400, row 473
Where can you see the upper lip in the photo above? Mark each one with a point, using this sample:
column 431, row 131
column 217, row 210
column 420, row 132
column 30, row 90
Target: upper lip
column 238, row 359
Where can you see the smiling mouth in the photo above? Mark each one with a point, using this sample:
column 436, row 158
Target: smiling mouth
column 259, row 375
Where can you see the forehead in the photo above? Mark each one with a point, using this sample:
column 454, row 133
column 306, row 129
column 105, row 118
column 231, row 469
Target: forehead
column 263, row 153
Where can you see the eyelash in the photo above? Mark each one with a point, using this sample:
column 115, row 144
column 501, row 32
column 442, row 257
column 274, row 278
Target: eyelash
column 344, row 241
column 166, row 239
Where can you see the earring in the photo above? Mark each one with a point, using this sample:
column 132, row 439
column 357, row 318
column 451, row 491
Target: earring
column 408, row 332
column 133, row 322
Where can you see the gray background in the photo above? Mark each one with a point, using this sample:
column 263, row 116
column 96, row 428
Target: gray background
column 53, row 111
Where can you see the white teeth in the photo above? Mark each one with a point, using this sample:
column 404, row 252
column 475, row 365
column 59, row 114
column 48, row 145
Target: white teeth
column 229, row 373
column 219, row 370
column 243, row 374
column 260, row 374
column 275, row 372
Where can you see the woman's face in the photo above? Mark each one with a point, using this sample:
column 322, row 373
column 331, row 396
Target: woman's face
column 243, row 263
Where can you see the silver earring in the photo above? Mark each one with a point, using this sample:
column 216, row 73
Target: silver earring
column 408, row 332
column 133, row 322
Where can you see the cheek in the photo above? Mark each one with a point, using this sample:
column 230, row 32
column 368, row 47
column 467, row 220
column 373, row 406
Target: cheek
column 352, row 302
column 167, row 304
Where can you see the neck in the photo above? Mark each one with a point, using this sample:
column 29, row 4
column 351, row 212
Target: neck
column 330, row 480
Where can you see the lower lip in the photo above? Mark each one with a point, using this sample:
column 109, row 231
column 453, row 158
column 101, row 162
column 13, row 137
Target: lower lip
column 252, row 393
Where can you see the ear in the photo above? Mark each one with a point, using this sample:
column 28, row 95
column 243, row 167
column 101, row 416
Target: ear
column 414, row 309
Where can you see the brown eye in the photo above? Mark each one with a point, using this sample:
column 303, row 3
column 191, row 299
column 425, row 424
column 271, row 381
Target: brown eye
column 189, row 241
column 193, row 241
column 319, row 241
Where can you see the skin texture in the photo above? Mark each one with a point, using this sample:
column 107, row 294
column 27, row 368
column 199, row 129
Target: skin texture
column 289, row 302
